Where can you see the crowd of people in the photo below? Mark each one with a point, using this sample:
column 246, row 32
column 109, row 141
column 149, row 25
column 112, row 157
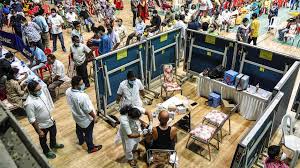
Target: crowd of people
column 36, row 23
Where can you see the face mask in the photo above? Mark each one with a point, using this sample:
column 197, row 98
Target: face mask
column 131, row 82
column 53, row 14
column 76, row 44
column 11, row 60
column 120, row 24
column 82, row 87
column 31, row 49
column 38, row 93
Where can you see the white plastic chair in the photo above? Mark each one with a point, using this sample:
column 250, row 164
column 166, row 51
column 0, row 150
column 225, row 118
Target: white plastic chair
column 275, row 23
column 289, row 140
column 291, row 35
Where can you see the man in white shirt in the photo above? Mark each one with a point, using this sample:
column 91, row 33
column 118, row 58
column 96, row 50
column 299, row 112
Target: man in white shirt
column 83, row 113
column 56, row 22
column 180, row 24
column 120, row 29
column 58, row 76
column 79, row 55
column 130, row 90
column 39, row 108
column 114, row 37
column 71, row 16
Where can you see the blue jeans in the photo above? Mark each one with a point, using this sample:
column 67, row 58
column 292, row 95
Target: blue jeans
column 85, row 135
column 61, row 39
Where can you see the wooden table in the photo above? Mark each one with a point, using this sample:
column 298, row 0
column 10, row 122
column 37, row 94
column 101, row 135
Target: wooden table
column 178, row 116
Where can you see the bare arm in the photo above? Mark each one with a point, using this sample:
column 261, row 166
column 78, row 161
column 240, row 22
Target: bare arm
column 150, row 117
column 37, row 129
column 142, row 93
column 173, row 134
column 118, row 98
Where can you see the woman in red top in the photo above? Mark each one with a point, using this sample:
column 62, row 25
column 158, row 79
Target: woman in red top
column 143, row 10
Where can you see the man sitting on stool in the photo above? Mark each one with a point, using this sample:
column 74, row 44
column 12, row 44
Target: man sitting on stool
column 164, row 136
column 58, row 76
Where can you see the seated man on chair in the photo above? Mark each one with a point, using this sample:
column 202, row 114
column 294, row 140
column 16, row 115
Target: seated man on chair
column 164, row 136
column 58, row 76
column 138, row 32
column 39, row 57
column 155, row 23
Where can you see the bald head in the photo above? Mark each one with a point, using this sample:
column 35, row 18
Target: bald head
column 163, row 118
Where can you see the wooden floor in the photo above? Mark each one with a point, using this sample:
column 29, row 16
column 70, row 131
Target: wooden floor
column 112, row 155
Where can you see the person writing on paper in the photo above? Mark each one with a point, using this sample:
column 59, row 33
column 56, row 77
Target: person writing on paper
column 131, row 131
column 130, row 90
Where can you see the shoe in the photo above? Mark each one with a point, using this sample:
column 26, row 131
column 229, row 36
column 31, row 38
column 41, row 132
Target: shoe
column 53, row 50
column 95, row 149
column 57, row 146
column 64, row 50
column 50, row 155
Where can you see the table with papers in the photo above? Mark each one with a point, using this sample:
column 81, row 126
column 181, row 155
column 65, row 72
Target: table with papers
column 23, row 68
column 252, row 103
column 175, row 100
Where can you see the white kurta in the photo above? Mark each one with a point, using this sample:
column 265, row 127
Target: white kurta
column 130, row 96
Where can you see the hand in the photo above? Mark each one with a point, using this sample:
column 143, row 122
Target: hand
column 95, row 120
column 150, row 127
column 41, row 134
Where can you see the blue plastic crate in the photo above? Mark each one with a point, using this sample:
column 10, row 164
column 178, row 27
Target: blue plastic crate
column 229, row 77
column 214, row 100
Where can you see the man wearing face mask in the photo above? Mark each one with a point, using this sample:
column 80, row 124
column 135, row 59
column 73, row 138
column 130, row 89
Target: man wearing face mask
column 79, row 54
column 139, row 30
column 39, row 108
column 83, row 113
column 130, row 90
column 77, row 31
column 56, row 22
column 104, row 42
column 155, row 23
column 71, row 16
column 39, row 57
column 120, row 29
column 32, row 31
column 114, row 37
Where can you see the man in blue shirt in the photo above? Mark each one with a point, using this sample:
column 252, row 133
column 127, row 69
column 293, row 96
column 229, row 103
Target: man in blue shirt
column 194, row 24
column 40, row 20
column 39, row 57
column 104, row 43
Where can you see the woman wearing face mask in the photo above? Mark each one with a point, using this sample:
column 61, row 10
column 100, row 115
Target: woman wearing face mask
column 243, row 31
column 15, row 92
column 130, row 131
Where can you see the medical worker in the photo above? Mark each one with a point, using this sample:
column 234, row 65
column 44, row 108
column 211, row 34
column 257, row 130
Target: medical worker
column 130, row 90
column 131, row 132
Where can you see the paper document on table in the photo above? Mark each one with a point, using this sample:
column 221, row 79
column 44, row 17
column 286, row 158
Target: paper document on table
column 172, row 101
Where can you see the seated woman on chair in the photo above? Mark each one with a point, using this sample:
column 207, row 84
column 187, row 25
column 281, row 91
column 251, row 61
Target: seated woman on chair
column 16, row 91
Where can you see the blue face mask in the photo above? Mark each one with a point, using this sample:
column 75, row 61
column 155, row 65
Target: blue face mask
column 82, row 87
column 32, row 49
column 38, row 93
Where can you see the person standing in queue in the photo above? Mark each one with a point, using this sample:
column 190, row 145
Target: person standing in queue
column 39, row 108
column 83, row 113
column 79, row 55
column 130, row 90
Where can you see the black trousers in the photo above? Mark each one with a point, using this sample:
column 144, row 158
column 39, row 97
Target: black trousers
column 85, row 135
column 81, row 70
column 254, row 39
column 43, row 141
column 135, row 15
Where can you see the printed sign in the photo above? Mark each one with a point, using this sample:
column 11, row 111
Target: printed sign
column 163, row 37
column 121, row 54
column 210, row 39
column 266, row 55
